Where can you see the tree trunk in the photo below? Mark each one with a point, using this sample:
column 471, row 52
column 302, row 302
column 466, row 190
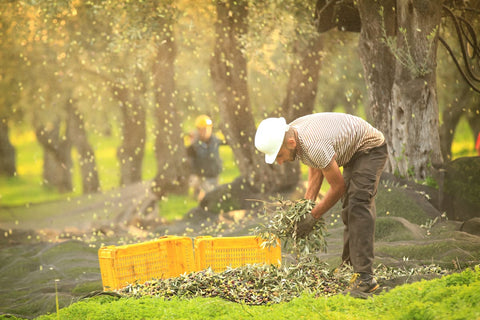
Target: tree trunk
column 378, row 63
column 229, row 74
column 78, row 136
column 7, row 151
column 415, row 136
column 303, row 81
column 172, row 168
column 131, row 151
column 401, row 79
column 301, row 92
column 57, row 157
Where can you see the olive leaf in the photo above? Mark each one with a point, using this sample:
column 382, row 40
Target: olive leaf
column 264, row 284
column 256, row 284
column 282, row 219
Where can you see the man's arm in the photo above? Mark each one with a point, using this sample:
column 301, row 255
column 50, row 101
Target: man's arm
column 337, row 189
column 315, row 179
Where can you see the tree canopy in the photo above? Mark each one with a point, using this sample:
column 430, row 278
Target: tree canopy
column 142, row 71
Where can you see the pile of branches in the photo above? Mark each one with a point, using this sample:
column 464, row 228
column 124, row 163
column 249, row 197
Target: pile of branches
column 250, row 284
column 266, row 284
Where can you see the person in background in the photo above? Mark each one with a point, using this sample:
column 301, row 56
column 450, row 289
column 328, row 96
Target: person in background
column 325, row 142
column 204, row 158
column 477, row 144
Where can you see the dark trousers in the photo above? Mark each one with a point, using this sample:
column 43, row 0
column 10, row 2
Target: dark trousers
column 361, row 176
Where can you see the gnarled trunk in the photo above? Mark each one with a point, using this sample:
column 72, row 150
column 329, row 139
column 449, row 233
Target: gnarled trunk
column 57, row 157
column 130, row 152
column 301, row 91
column 302, row 84
column 401, row 79
column 172, row 168
column 415, row 127
column 378, row 63
column 229, row 73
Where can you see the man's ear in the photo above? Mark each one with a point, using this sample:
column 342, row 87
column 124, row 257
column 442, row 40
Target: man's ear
column 291, row 143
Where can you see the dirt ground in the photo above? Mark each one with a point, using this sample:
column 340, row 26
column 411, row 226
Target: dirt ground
column 52, row 249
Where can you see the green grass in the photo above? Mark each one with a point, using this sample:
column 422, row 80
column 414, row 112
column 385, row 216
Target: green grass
column 456, row 296
column 463, row 141
column 28, row 181
column 175, row 206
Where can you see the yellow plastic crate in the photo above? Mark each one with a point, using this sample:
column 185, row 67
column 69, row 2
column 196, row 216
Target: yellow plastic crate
column 163, row 258
column 220, row 253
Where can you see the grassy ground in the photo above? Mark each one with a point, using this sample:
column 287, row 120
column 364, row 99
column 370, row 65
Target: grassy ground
column 455, row 296
column 28, row 180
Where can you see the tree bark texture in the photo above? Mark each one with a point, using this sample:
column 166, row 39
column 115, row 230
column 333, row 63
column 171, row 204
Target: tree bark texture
column 57, row 157
column 401, row 80
column 415, row 126
column 229, row 73
column 79, row 139
column 378, row 63
column 7, row 151
column 302, row 84
column 301, row 93
column 172, row 167
column 131, row 151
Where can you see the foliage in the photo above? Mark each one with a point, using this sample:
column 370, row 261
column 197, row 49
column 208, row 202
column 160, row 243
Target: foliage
column 250, row 284
column 83, row 51
column 404, row 54
column 456, row 296
column 282, row 224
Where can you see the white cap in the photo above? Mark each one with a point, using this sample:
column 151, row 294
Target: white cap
column 269, row 137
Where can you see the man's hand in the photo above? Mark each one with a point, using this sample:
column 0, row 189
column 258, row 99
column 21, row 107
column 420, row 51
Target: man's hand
column 305, row 226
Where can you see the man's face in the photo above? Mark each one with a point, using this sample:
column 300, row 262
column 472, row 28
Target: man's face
column 204, row 133
column 286, row 153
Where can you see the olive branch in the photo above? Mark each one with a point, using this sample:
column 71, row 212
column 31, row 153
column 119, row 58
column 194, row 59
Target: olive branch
column 282, row 218
column 404, row 54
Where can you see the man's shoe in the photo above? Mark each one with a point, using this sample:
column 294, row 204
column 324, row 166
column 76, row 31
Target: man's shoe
column 361, row 285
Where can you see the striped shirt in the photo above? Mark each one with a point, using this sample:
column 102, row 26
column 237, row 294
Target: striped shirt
column 324, row 135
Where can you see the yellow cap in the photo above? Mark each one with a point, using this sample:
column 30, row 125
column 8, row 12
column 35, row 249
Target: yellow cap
column 203, row 121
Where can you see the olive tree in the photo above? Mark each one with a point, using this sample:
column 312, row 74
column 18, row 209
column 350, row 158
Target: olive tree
column 229, row 68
